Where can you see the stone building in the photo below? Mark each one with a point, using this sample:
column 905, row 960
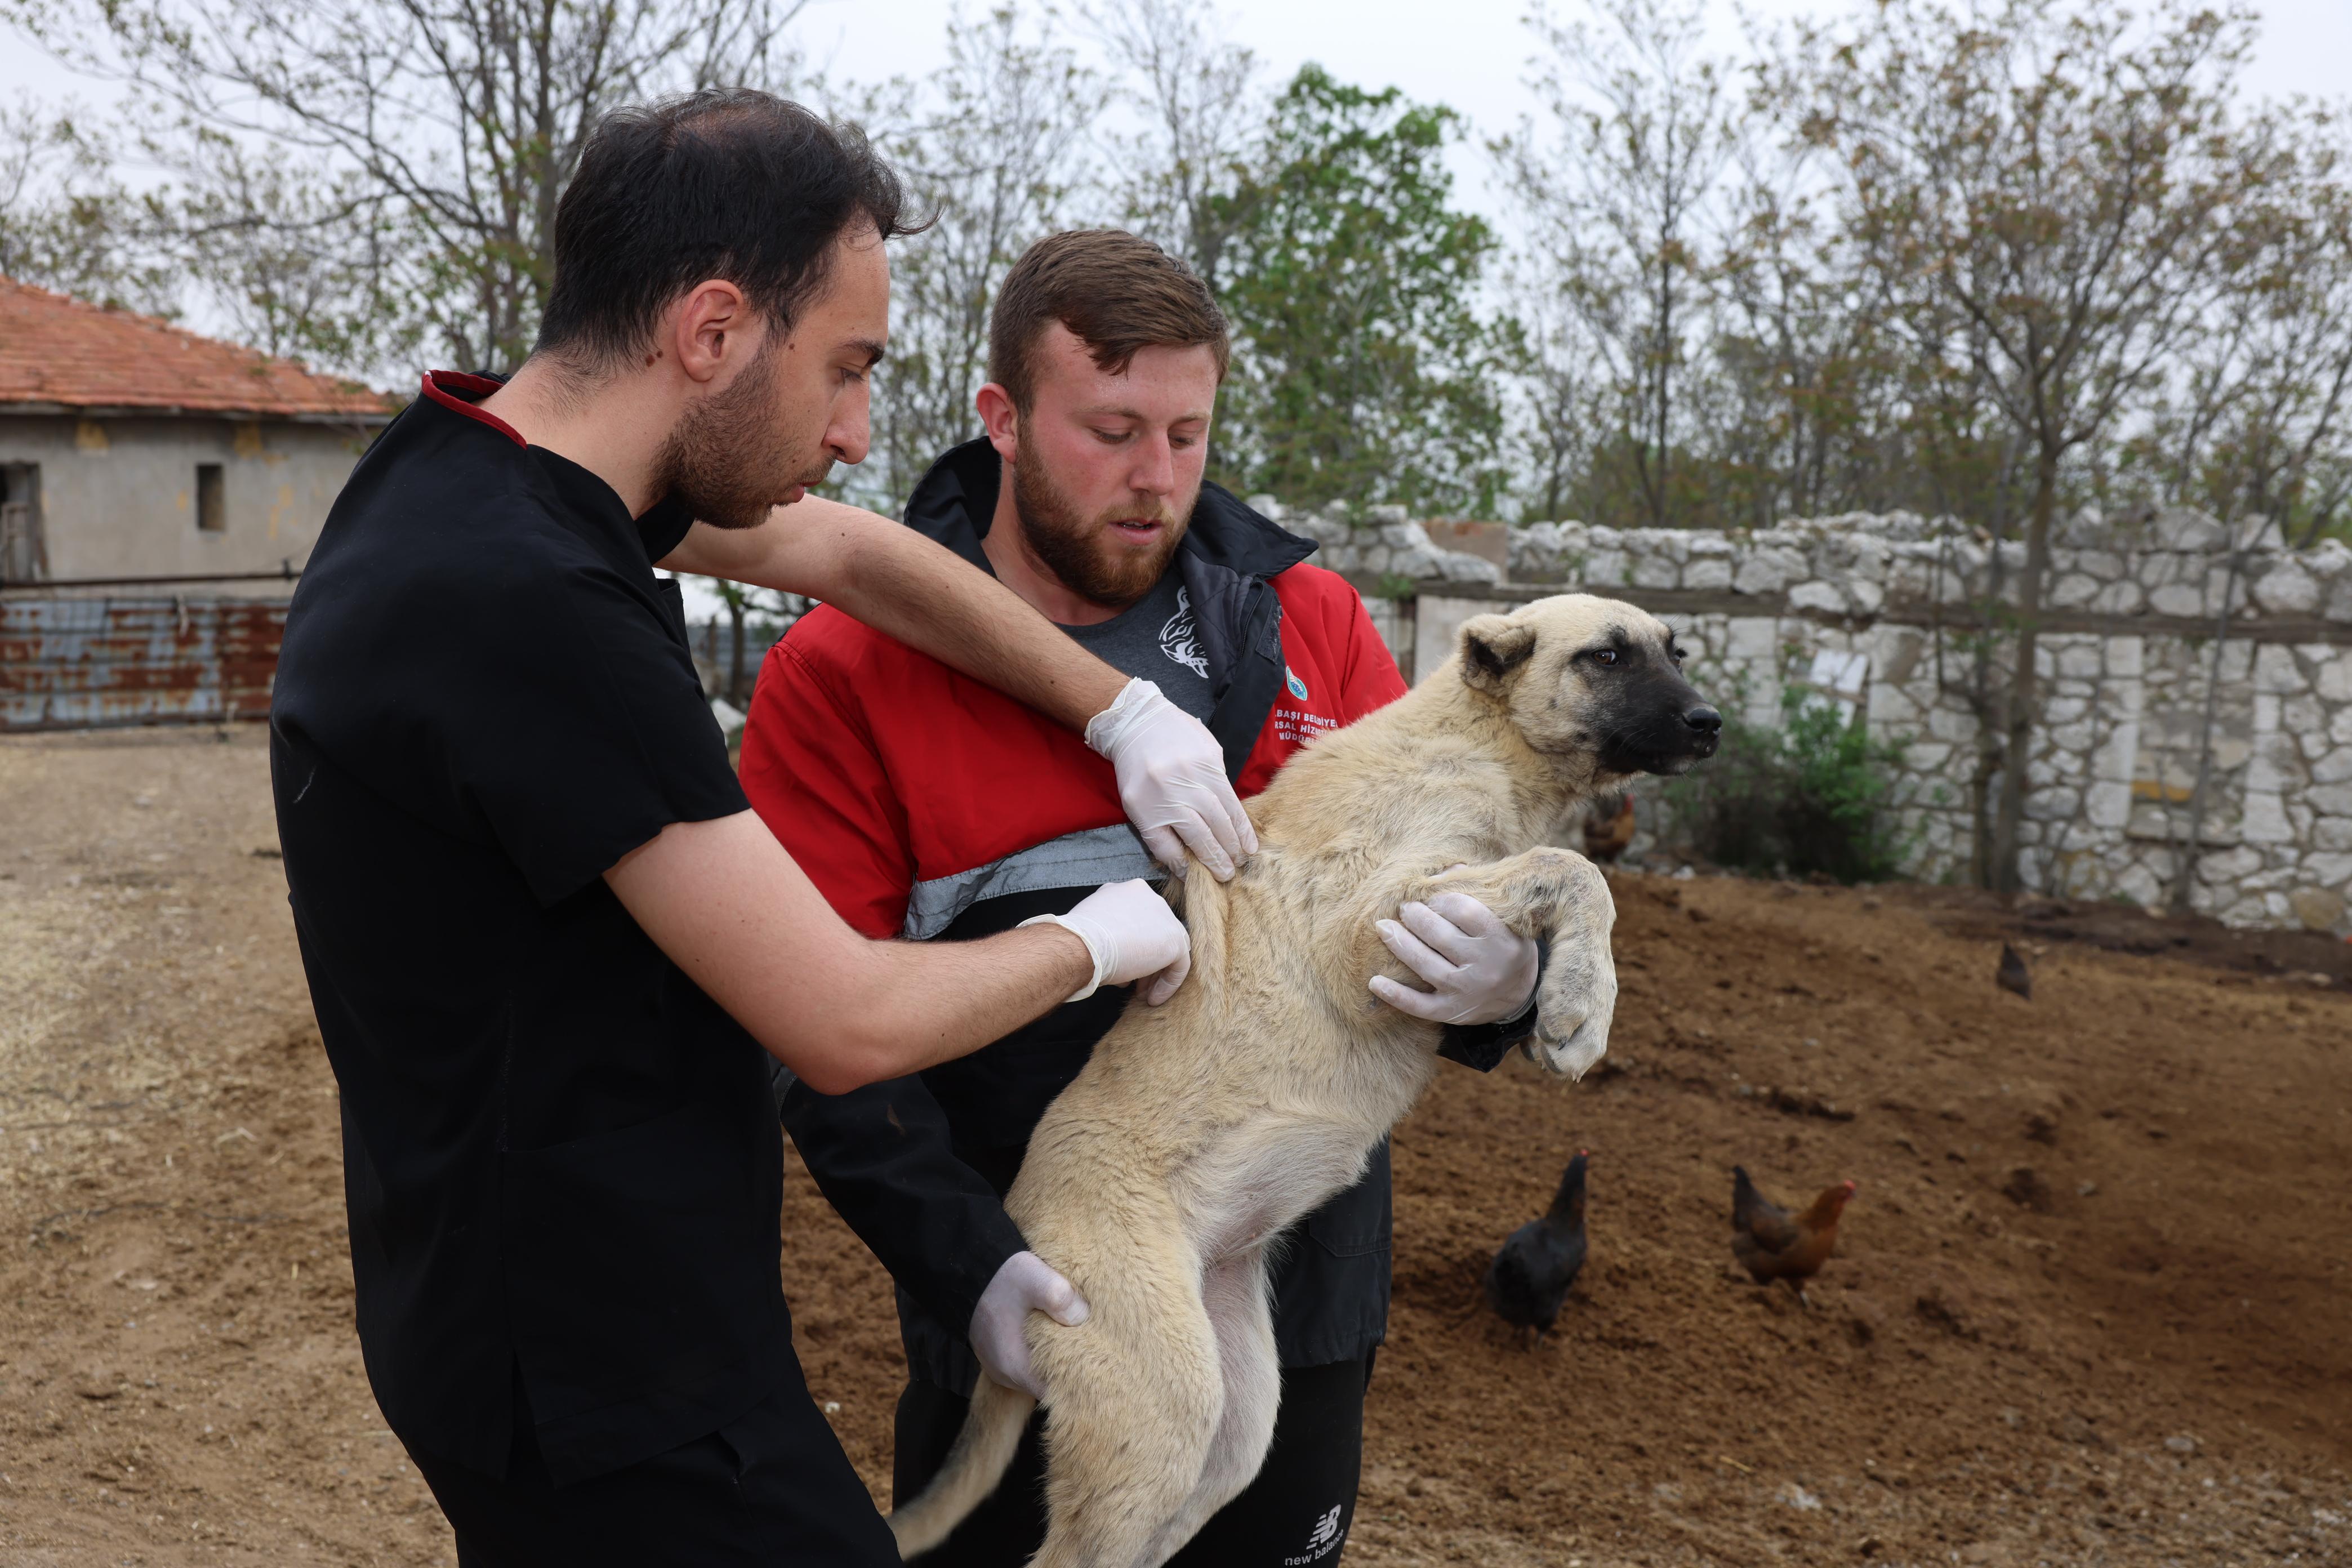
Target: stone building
column 131, row 448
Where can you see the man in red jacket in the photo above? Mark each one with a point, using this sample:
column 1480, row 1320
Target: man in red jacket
column 925, row 806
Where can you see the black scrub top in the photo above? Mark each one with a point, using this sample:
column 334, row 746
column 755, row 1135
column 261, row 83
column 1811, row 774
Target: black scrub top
column 560, row 1158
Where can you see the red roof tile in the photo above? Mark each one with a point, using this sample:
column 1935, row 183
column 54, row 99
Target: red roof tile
column 60, row 352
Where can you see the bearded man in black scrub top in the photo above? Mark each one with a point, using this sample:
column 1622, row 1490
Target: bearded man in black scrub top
column 547, row 940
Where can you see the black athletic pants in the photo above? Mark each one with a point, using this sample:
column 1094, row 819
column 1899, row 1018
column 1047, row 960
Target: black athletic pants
column 1297, row 1511
column 771, row 1488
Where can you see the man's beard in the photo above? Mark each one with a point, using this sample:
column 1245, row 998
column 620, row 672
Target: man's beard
column 722, row 460
column 1080, row 553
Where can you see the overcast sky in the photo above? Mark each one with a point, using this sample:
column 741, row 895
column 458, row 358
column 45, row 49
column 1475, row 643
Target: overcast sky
column 1470, row 54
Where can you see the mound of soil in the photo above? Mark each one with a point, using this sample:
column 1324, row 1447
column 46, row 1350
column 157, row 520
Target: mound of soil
column 2088, row 1309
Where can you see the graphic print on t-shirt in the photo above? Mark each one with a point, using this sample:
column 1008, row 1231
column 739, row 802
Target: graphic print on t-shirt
column 1180, row 639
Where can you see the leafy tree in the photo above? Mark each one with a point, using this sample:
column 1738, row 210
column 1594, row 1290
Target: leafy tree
column 1620, row 198
column 1200, row 112
column 1363, row 369
column 68, row 222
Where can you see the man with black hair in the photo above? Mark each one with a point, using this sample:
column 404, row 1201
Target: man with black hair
column 547, row 940
column 925, row 806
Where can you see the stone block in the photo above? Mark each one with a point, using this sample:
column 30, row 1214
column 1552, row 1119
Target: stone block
column 2286, row 589
column 2177, row 599
column 2331, row 680
column 1605, row 570
column 1769, row 570
column 2124, row 598
column 1654, row 569
column 2264, row 821
column 2073, row 591
column 2077, row 656
column 2331, row 870
column 2332, row 833
column 2055, row 804
column 1817, row 595
column 1488, row 541
column 1373, row 558
column 2125, row 655
column 1389, row 516
column 1752, row 638
column 2318, row 908
column 1866, row 596
column 2275, row 672
column 1710, row 573
column 2138, row 884
column 2331, row 800
column 2108, row 806
column 1462, row 566
column 2181, row 528
column 2332, row 767
column 2073, row 739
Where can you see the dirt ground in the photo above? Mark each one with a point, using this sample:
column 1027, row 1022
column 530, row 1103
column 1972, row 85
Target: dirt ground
column 2091, row 1305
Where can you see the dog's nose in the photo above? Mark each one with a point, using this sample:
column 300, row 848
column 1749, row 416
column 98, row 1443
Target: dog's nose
column 1705, row 721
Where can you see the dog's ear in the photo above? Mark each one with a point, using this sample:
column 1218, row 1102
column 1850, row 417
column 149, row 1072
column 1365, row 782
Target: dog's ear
column 1493, row 648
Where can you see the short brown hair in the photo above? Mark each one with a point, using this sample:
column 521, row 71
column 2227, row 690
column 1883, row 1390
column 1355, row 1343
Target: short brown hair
column 1116, row 292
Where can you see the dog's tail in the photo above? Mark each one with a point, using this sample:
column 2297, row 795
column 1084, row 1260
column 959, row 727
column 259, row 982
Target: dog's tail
column 982, row 1452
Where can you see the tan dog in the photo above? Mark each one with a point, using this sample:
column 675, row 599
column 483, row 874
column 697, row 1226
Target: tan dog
column 1202, row 1129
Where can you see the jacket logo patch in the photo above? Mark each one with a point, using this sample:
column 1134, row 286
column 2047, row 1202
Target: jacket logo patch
column 1297, row 687
column 1180, row 640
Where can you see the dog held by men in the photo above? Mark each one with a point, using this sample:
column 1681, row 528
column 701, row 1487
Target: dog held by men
column 1201, row 1129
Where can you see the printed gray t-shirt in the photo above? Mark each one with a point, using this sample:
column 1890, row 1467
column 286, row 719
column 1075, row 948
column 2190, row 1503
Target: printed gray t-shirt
column 1154, row 639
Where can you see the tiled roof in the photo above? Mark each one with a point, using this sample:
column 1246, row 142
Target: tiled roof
column 60, row 352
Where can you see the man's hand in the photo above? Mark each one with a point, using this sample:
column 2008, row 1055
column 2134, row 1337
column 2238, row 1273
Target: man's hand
column 1132, row 935
column 1476, row 969
column 1172, row 780
column 1023, row 1285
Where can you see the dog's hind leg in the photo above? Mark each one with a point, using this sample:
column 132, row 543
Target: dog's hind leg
column 1135, row 1398
column 1235, row 1293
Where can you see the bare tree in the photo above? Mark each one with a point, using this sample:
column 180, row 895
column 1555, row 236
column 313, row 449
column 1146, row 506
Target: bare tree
column 1202, row 114
column 455, row 124
column 994, row 148
column 2065, row 185
column 1619, row 193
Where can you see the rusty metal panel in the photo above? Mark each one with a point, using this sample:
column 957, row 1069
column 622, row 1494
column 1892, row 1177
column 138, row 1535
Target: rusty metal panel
column 73, row 664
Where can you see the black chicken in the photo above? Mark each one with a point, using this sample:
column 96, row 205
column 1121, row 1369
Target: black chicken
column 1530, row 1275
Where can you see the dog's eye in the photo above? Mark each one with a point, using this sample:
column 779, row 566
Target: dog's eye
column 1605, row 656
column 1678, row 655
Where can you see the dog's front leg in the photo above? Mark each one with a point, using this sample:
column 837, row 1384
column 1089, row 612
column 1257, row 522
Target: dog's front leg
column 1563, row 897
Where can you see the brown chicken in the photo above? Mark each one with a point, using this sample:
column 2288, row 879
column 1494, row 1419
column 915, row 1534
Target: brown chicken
column 1607, row 829
column 1771, row 1245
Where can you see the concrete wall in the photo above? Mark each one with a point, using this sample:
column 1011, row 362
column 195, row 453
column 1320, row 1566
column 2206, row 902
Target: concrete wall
column 1883, row 614
column 118, row 497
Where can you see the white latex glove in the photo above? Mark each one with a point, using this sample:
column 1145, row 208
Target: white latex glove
column 1476, row 969
column 1172, row 780
column 1025, row 1284
column 1132, row 935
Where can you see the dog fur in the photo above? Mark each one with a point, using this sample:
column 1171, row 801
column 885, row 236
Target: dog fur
column 1202, row 1129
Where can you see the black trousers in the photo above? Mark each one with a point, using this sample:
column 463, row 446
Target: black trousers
column 772, row 1488
column 1296, row 1512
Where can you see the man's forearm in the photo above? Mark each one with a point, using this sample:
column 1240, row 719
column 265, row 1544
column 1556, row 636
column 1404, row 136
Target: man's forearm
column 727, row 904
column 901, row 583
column 933, row 1001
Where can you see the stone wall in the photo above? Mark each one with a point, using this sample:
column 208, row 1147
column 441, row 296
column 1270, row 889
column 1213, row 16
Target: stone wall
column 1887, row 615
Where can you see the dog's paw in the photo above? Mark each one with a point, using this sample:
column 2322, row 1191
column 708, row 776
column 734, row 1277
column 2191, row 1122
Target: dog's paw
column 1575, row 1006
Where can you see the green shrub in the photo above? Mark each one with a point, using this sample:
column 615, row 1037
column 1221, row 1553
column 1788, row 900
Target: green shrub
column 1812, row 796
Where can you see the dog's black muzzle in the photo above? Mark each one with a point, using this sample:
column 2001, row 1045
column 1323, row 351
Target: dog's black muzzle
column 1665, row 728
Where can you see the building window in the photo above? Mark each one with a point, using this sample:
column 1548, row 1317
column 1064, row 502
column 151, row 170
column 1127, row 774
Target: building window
column 212, row 505
column 24, row 554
